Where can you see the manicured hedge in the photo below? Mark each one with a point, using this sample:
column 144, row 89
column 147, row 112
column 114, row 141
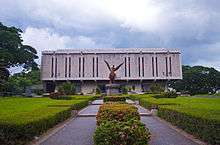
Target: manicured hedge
column 166, row 95
column 114, row 99
column 21, row 133
column 131, row 132
column 119, row 124
column 207, row 130
column 116, row 111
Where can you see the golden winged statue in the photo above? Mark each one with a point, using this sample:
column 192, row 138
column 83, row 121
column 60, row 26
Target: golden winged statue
column 113, row 69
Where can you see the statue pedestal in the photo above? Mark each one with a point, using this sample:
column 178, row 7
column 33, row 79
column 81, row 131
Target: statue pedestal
column 113, row 89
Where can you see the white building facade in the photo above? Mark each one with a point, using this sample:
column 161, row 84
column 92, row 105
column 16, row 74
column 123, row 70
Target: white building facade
column 87, row 70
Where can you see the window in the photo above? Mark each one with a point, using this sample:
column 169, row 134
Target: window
column 97, row 69
column 166, row 67
column 79, row 66
column 69, row 66
column 52, row 67
column 156, row 68
column 125, row 59
column 93, row 67
column 83, row 69
column 170, row 66
column 65, row 67
column 55, row 67
column 129, row 67
column 143, row 66
column 152, row 66
column 139, row 67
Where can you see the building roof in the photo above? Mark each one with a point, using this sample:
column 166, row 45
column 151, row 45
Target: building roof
column 113, row 50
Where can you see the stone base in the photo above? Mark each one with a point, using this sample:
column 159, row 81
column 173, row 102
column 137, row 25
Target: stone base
column 113, row 89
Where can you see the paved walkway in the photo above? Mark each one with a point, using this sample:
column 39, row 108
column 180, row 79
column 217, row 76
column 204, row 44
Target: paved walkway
column 163, row 134
column 79, row 131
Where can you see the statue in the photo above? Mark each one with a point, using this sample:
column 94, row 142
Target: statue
column 112, row 70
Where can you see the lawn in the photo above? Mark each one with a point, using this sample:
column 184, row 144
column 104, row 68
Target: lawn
column 198, row 116
column 24, row 110
column 208, row 108
column 23, row 118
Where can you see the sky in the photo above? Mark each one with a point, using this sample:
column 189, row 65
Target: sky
column 192, row 26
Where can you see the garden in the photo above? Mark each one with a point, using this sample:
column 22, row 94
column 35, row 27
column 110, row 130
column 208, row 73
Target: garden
column 197, row 116
column 119, row 123
column 21, row 119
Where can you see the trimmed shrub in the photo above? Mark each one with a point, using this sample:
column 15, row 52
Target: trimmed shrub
column 59, row 96
column 21, row 133
column 114, row 99
column 118, row 112
column 130, row 132
column 171, row 94
column 156, row 88
column 207, row 130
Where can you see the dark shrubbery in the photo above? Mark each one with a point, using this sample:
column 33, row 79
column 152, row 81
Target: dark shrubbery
column 119, row 124
column 118, row 112
column 156, row 88
column 59, row 96
column 114, row 99
column 171, row 94
column 67, row 88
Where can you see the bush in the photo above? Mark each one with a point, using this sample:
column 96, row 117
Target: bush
column 124, row 90
column 118, row 112
column 59, row 96
column 67, row 88
column 98, row 91
column 207, row 130
column 156, row 88
column 130, row 132
column 114, row 99
column 171, row 94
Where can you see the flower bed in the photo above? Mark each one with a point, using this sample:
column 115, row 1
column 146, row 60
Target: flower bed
column 119, row 124
column 116, row 111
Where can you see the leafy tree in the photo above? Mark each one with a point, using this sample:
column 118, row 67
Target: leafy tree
column 197, row 79
column 13, row 52
column 18, row 82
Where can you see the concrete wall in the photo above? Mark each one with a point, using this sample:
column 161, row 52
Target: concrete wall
column 139, row 61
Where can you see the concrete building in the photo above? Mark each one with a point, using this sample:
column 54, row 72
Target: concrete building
column 87, row 70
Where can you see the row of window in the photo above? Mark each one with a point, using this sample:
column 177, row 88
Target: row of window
column 127, row 63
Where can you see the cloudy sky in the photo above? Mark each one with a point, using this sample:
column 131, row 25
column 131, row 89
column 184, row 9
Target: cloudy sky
column 193, row 26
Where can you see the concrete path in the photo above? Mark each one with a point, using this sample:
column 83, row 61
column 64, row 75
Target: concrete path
column 80, row 130
column 163, row 134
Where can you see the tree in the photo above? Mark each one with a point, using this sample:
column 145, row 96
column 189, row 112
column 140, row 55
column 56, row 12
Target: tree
column 197, row 79
column 17, row 83
column 13, row 52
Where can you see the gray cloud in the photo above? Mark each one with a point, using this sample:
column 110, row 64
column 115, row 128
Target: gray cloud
column 190, row 25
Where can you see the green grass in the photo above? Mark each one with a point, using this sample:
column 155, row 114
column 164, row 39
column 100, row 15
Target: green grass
column 16, row 110
column 208, row 108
